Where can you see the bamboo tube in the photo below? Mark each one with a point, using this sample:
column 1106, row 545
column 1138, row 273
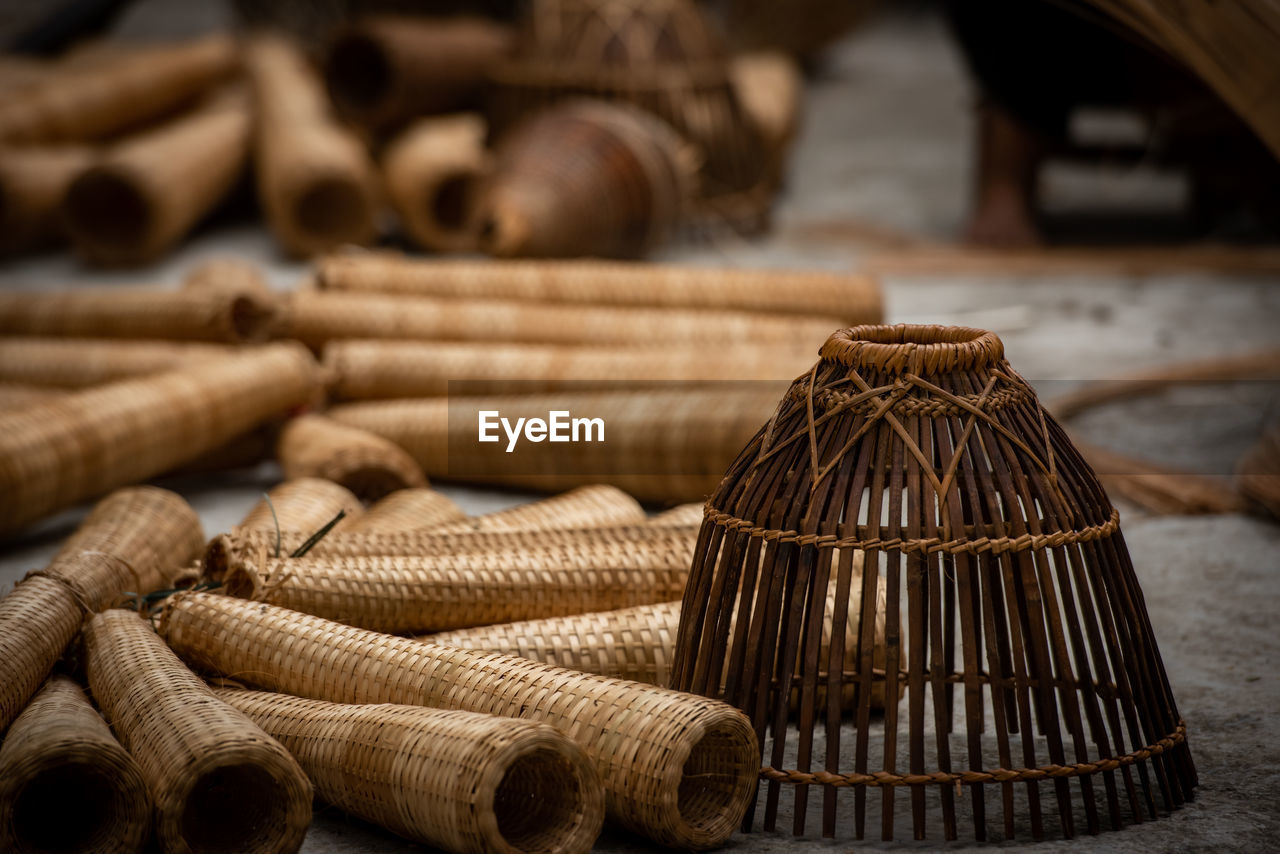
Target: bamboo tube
column 66, row 784
column 384, row 69
column 96, row 99
column 219, row 784
column 33, row 182
column 112, row 312
column 660, row 445
column 315, row 318
column 847, row 297
column 315, row 179
column 368, row 465
column 406, row 510
column 770, row 87
column 227, row 273
column 144, row 194
column 79, row 362
column 435, row 592
column 677, row 768
column 133, row 537
column 15, row 395
column 433, row 172
column 1258, row 473
column 592, row 506
column 303, row 504
column 56, row 453
column 379, row 368
column 460, row 781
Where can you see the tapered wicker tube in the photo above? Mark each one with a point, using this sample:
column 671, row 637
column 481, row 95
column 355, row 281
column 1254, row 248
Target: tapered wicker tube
column 402, row 594
column 227, row 273
column 33, row 182
column 385, row 69
column 303, row 504
column 96, row 99
column 56, row 453
column 316, row 318
column 315, row 179
column 770, row 87
column 584, row 178
column 367, row 464
column 679, row 516
column 66, row 784
column 143, row 196
column 183, row 315
column 460, row 781
column 14, row 395
column 130, row 542
column 377, row 369
column 406, row 510
column 676, row 768
column 433, row 173
column 661, row 444
column 79, row 362
column 218, row 782
column 593, row 506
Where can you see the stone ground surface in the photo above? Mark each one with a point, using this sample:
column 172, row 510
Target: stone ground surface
column 884, row 153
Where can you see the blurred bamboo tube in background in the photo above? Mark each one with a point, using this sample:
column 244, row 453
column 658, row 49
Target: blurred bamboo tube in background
column 144, row 194
column 33, row 182
column 218, row 782
column 79, row 446
column 13, row 395
column 384, row 69
column 406, row 510
column 680, row 516
column 227, row 273
column 461, row 781
column 43, row 612
column 122, row 312
column 367, row 464
column 315, row 179
column 433, row 172
column 66, row 784
column 584, row 178
column 593, row 506
column 17, row 72
column 95, row 99
column 79, row 362
column 770, row 87
column 853, row 298
column 304, row 504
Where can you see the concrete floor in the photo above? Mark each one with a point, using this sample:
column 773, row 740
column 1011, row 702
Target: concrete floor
column 884, row 153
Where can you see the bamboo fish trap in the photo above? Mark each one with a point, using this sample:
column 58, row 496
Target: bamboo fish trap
column 850, row 297
column 407, row 510
column 460, row 781
column 433, row 173
column 60, row 752
column 678, row 769
column 1006, row 576
column 367, row 464
column 130, row 542
column 78, row 362
column 218, row 782
column 302, row 504
column 593, row 506
column 33, row 182
column 79, row 446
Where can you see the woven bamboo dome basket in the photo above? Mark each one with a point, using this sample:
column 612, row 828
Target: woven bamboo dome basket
column 677, row 768
column 32, row 184
column 461, row 781
column 1006, row 577
column 407, row 510
column 59, row 752
column 367, row 464
column 78, row 362
column 303, row 504
column 218, row 782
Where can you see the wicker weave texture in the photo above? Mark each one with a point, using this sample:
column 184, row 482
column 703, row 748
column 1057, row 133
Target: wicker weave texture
column 32, row 183
column 79, row 362
column 406, row 510
column 38, row 619
column 592, row 506
column 678, row 769
column 367, row 464
column 433, row 172
column 461, row 781
column 60, row 753
column 14, row 395
column 217, row 781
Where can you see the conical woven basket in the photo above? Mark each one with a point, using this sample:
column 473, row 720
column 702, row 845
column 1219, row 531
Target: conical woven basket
column 304, row 504
column 592, row 506
column 33, row 182
column 678, row 769
column 407, row 510
column 461, row 781
column 919, row 449
column 218, row 782
column 368, row 465
column 79, row 362
column 60, row 752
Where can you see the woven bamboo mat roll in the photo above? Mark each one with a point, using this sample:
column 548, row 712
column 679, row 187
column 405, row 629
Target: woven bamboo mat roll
column 33, row 182
column 218, row 782
column 304, row 504
column 677, row 768
column 145, row 193
column 456, row 780
column 434, row 592
column 381, row 369
column 14, row 395
column 116, row 312
column 367, row 464
column 663, row 444
column 433, row 171
column 59, row 753
column 406, row 510
column 79, row 362
column 317, row 317
column 596, row 505
column 56, row 453
column 95, row 99
column 315, row 178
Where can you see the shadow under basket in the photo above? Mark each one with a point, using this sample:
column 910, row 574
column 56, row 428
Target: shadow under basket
column 1031, row 695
